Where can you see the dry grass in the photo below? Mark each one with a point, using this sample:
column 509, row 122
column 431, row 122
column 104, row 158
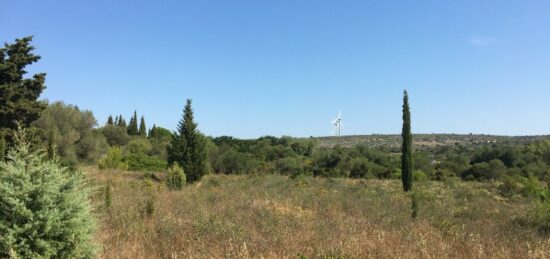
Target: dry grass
column 275, row 217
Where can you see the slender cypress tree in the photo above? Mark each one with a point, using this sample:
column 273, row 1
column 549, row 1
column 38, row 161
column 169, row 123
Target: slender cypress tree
column 110, row 120
column 142, row 128
column 406, row 148
column 152, row 131
column 188, row 147
column 133, row 126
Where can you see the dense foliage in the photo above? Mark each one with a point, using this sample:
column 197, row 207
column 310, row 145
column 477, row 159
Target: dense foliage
column 19, row 104
column 45, row 211
column 188, row 147
column 406, row 147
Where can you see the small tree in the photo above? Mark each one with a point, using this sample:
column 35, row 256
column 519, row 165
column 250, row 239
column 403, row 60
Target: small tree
column 176, row 178
column 406, row 148
column 142, row 128
column 110, row 120
column 188, row 147
column 46, row 210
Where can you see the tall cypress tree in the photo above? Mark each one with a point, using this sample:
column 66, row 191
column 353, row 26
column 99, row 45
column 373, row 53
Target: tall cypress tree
column 142, row 128
column 188, row 147
column 406, row 148
column 152, row 131
column 133, row 126
column 110, row 120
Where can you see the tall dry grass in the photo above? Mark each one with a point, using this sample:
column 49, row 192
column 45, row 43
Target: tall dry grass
column 272, row 216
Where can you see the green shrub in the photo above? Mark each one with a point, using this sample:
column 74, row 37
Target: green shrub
column 176, row 178
column 45, row 208
column 142, row 162
column 113, row 160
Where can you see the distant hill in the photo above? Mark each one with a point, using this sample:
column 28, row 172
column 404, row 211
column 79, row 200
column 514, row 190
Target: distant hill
column 423, row 140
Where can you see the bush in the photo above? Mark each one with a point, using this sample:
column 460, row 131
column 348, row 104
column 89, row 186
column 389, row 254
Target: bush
column 176, row 178
column 46, row 211
column 115, row 135
column 141, row 162
column 139, row 145
column 113, row 160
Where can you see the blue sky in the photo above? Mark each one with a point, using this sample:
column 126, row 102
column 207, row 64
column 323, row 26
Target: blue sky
column 283, row 67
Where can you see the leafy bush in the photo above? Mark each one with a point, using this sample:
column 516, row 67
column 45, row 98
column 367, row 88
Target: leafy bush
column 46, row 212
column 142, row 162
column 113, row 160
column 139, row 145
column 176, row 178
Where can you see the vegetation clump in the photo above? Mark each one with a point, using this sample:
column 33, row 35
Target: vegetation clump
column 46, row 212
column 176, row 178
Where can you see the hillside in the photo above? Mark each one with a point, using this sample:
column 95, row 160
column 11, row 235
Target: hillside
column 273, row 216
column 423, row 141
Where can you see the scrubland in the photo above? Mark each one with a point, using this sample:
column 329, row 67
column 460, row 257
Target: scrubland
column 273, row 216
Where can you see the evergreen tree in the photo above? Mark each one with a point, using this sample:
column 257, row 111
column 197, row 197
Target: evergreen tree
column 46, row 209
column 19, row 104
column 188, row 147
column 406, row 148
column 142, row 128
column 133, row 126
column 110, row 120
column 152, row 131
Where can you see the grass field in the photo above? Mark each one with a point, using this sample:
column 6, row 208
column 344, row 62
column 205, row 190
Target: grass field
column 273, row 216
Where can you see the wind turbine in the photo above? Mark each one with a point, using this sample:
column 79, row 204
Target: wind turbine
column 337, row 123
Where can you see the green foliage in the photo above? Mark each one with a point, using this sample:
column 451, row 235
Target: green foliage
column 176, row 178
column 406, row 148
column 142, row 128
column 142, row 162
column 110, row 120
column 46, row 211
column 115, row 135
column 113, row 160
column 188, row 147
column 138, row 146
column 2, row 148
column 71, row 131
column 107, row 194
column 133, row 126
column 360, row 168
column 495, row 169
column 414, row 209
column 289, row 166
column 19, row 105
column 159, row 133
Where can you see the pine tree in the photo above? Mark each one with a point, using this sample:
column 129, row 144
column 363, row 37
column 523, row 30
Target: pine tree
column 406, row 148
column 46, row 209
column 142, row 128
column 110, row 120
column 188, row 147
column 19, row 104
column 133, row 126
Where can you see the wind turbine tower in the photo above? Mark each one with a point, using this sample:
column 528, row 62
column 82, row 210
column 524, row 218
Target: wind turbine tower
column 337, row 123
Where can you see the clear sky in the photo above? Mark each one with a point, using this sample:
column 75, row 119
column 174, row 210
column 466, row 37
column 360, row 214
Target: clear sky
column 286, row 67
